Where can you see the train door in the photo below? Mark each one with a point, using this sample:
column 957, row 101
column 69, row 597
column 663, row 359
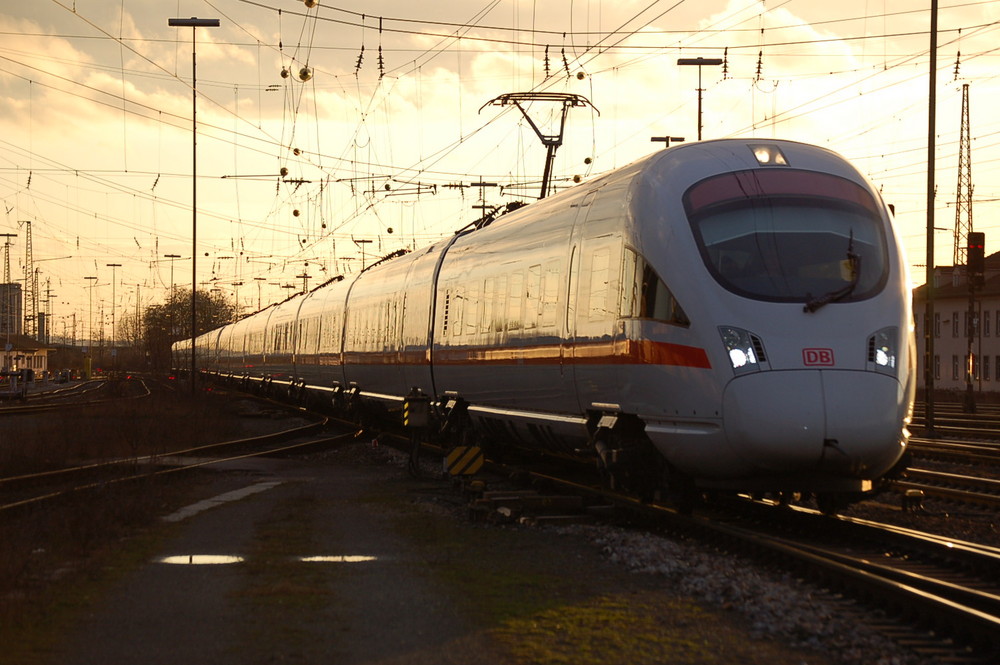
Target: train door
column 598, row 336
column 567, row 355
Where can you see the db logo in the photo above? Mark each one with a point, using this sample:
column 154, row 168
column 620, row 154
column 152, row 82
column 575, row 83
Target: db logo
column 820, row 357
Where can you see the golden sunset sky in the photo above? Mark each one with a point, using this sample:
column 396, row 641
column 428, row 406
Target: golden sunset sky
column 383, row 139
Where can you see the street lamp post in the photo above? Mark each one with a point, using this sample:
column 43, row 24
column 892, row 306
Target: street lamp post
column 194, row 24
column 259, row 280
column 361, row 244
column 699, row 62
column 90, row 319
column 171, row 257
column 114, row 306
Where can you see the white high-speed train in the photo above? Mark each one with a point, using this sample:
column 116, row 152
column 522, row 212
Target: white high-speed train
column 730, row 314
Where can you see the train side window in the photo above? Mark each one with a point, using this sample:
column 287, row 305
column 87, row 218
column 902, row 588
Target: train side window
column 472, row 310
column 515, row 310
column 598, row 309
column 489, row 294
column 457, row 308
column 328, row 336
column 366, row 343
column 644, row 295
column 532, row 297
column 550, row 294
column 500, row 309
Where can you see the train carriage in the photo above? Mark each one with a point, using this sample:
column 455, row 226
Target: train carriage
column 730, row 314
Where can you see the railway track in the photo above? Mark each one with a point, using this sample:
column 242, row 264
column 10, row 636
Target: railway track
column 932, row 583
column 936, row 595
column 951, row 420
column 973, row 452
column 33, row 489
column 921, row 582
column 954, row 487
column 86, row 394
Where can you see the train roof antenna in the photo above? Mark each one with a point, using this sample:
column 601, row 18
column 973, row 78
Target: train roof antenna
column 550, row 141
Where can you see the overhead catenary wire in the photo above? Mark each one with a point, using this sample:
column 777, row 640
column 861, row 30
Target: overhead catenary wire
column 434, row 163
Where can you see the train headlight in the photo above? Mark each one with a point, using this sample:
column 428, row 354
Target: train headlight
column 768, row 154
column 745, row 350
column 883, row 350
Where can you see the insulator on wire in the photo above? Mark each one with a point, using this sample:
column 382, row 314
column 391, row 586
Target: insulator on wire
column 381, row 62
column 725, row 63
column 548, row 71
column 361, row 58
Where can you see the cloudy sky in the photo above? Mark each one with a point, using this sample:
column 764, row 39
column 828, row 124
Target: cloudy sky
column 385, row 138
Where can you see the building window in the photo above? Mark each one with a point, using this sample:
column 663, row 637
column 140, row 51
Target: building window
column 937, row 366
column 954, row 368
column 986, row 324
column 937, row 323
column 986, row 368
column 954, row 324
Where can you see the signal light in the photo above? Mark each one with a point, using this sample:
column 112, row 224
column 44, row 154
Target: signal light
column 976, row 257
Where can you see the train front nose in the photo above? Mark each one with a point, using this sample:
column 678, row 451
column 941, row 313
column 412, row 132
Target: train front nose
column 844, row 423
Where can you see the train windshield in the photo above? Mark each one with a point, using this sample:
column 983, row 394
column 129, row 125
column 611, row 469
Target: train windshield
column 789, row 236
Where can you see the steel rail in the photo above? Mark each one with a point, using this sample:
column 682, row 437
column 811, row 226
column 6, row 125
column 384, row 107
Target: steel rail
column 951, row 486
column 29, row 409
column 66, row 474
column 967, row 614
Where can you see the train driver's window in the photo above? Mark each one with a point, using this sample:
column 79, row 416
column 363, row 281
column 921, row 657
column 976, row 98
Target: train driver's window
column 644, row 294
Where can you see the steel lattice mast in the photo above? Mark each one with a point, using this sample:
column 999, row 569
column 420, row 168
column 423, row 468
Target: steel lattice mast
column 963, row 201
column 30, row 291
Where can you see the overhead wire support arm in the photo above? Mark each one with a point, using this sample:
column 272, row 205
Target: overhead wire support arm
column 550, row 141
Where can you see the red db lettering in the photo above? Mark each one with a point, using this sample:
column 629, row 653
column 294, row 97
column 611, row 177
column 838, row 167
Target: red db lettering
column 818, row 357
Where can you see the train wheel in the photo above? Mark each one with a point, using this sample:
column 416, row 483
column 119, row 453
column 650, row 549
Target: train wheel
column 682, row 493
column 831, row 504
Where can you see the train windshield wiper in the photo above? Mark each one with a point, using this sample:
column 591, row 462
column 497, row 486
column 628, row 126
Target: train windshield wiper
column 833, row 296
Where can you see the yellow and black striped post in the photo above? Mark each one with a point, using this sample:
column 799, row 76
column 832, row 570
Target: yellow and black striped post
column 464, row 460
column 416, row 410
column 416, row 418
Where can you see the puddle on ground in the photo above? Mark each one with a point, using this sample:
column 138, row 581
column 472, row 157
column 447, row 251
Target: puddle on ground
column 201, row 559
column 217, row 559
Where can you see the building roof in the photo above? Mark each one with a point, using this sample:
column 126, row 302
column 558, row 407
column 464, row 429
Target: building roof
column 23, row 343
column 949, row 286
